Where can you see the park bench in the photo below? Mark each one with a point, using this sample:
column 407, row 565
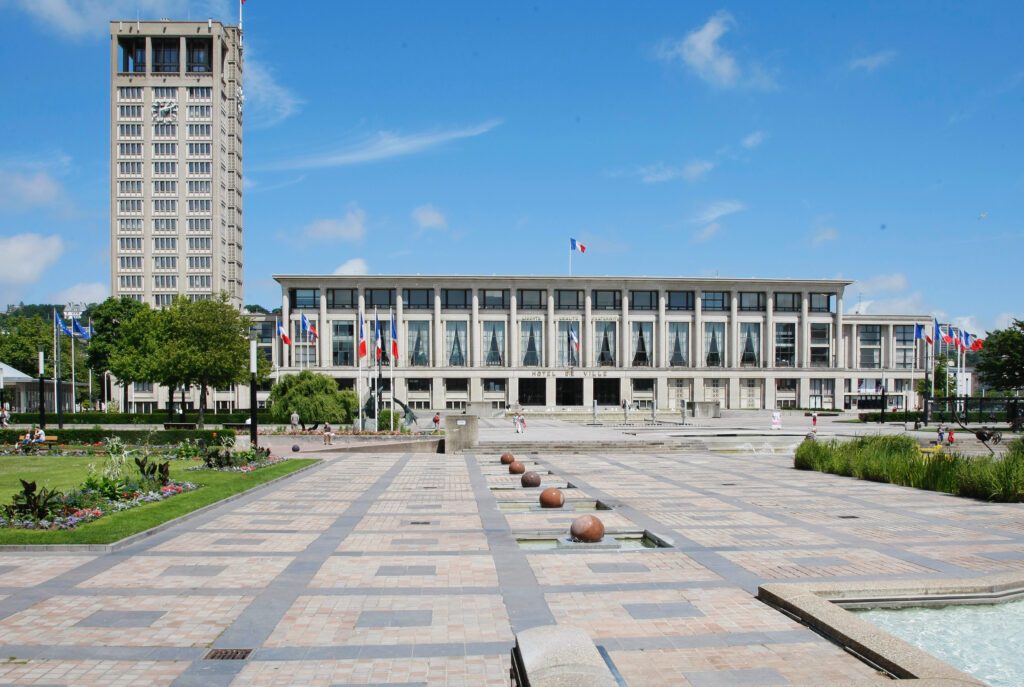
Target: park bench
column 51, row 440
column 180, row 425
column 235, row 425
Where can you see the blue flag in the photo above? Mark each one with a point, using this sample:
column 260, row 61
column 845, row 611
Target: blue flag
column 60, row 324
column 86, row 334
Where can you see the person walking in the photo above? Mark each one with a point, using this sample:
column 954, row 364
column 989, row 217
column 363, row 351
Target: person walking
column 949, row 437
column 522, row 423
column 814, row 421
column 942, row 434
column 515, row 423
column 437, row 421
column 295, row 421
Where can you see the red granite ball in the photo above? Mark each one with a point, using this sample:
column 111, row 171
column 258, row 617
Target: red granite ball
column 516, row 468
column 552, row 498
column 587, row 528
column 530, row 479
column 507, row 458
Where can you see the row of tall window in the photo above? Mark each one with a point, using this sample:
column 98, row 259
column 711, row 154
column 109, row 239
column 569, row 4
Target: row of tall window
column 166, row 55
column 130, row 244
column 165, row 130
column 713, row 350
column 133, row 225
column 165, row 149
column 565, row 299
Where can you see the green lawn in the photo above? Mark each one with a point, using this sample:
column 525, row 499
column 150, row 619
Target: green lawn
column 63, row 473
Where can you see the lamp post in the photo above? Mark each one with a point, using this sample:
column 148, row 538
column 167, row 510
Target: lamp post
column 42, row 391
column 252, row 392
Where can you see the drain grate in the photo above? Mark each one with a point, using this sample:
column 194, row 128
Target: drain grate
column 728, row 484
column 849, row 517
column 420, row 522
column 227, row 654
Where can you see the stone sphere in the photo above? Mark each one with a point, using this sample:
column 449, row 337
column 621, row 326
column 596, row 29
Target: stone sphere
column 587, row 528
column 295, row 448
column 552, row 498
column 516, row 468
column 507, row 458
column 531, row 479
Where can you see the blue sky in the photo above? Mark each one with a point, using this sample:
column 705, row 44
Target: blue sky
column 879, row 142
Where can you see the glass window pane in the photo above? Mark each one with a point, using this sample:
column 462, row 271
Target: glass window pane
column 456, row 344
column 678, row 344
column 750, row 344
column 531, row 344
column 418, row 346
column 343, row 347
column 714, row 344
column 604, row 339
column 494, row 343
column 642, row 344
column 568, row 344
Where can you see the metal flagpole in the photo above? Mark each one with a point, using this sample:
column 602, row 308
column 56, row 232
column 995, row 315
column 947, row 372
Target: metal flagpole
column 74, row 395
column 392, row 357
column 56, row 363
column 570, row 258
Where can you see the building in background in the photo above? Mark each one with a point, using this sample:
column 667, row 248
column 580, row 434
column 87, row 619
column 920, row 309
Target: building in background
column 569, row 342
column 175, row 160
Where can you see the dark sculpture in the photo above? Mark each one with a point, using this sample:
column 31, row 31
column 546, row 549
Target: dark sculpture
column 587, row 529
column 295, row 448
column 530, row 479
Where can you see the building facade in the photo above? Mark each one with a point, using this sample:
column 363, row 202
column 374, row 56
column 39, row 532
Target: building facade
column 573, row 341
column 175, row 160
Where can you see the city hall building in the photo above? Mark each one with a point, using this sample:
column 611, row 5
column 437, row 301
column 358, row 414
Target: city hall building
column 568, row 342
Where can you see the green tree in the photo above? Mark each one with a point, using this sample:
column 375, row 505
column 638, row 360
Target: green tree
column 924, row 386
column 23, row 336
column 107, row 318
column 1001, row 361
column 315, row 397
column 201, row 343
column 254, row 308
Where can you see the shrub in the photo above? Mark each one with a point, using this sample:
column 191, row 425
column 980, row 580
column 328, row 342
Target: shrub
column 384, row 420
column 33, row 503
column 158, row 437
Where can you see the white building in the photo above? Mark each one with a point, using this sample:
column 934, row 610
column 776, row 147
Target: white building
column 746, row 343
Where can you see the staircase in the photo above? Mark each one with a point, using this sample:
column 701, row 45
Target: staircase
column 598, row 447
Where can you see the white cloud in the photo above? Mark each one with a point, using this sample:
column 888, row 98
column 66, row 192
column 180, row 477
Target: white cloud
column 879, row 284
column 88, row 292
column 909, row 304
column 429, row 217
column 696, row 169
column 27, row 190
column 657, row 173
column 707, row 232
column 385, row 144
column 701, row 52
column 870, row 63
column 267, row 102
column 825, row 234
column 350, row 227
column 717, row 210
column 753, row 140
column 24, row 257
column 1005, row 319
column 355, row 266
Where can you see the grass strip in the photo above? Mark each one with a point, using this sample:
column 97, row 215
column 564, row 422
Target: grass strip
column 216, row 486
column 898, row 460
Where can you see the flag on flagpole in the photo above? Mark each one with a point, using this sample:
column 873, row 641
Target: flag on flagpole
column 935, row 334
column 307, row 326
column 283, row 334
column 947, row 336
column 60, row 324
column 573, row 340
column 918, row 332
column 376, row 328
column 362, row 338
column 977, row 344
column 83, row 332
column 576, row 245
column 394, row 339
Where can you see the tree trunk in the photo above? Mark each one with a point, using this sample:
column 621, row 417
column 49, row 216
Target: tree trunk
column 202, row 404
column 182, row 400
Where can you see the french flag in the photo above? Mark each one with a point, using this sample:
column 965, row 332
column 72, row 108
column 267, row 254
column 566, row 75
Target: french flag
column 362, row 338
column 394, row 339
column 576, row 245
column 283, row 335
column 376, row 328
column 573, row 340
column 308, row 326
column 947, row 336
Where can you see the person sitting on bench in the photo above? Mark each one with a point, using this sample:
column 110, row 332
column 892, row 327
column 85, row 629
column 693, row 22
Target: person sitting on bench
column 36, row 436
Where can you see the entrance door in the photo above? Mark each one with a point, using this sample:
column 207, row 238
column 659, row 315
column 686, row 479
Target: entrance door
column 532, row 391
column 569, row 392
column 750, row 394
column 606, row 392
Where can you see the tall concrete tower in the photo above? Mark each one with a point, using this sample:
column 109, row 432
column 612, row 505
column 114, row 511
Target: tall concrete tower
column 175, row 160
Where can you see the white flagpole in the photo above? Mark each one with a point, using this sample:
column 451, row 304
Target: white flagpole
column 56, row 366
column 570, row 258
column 391, row 321
column 74, row 393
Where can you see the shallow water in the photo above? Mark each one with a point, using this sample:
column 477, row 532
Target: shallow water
column 984, row 641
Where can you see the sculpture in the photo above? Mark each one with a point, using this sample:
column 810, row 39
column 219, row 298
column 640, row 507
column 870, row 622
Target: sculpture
column 530, row 479
column 516, row 468
column 587, row 529
column 552, row 498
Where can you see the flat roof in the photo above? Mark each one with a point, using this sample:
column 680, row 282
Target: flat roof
column 553, row 277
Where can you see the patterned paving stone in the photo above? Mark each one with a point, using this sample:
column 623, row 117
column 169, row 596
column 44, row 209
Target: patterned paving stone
column 187, row 572
column 646, row 566
column 414, row 541
column 91, row 673
column 213, row 542
column 469, row 671
column 406, row 571
column 121, row 619
column 786, row 563
column 29, row 570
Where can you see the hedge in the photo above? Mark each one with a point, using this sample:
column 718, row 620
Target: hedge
column 934, row 416
column 130, row 436
column 158, row 418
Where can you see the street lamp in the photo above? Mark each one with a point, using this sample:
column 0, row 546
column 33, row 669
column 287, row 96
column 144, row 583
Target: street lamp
column 252, row 391
column 42, row 391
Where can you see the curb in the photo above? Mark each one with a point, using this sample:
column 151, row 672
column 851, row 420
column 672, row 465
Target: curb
column 138, row 536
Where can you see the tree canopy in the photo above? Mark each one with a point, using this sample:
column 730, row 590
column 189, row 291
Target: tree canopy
column 315, row 397
column 107, row 318
column 1001, row 362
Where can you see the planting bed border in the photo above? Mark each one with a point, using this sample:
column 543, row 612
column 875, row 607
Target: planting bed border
column 156, row 529
column 822, row 607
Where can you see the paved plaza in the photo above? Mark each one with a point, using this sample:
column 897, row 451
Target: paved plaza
column 407, row 570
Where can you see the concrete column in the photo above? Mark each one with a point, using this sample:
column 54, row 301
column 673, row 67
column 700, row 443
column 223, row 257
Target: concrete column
column 625, row 338
column 804, row 343
column 588, row 392
column 549, row 391
column 733, row 332
column 839, row 352
column 804, row 397
column 661, row 393
column 513, row 338
column 403, row 340
column 660, row 337
column 889, row 347
column 697, row 339
column 286, row 322
column 698, row 389
column 769, row 339
column 437, row 354
column 587, row 357
column 437, row 393
column 769, row 393
column 732, row 392
column 550, row 348
column 324, row 342
column 474, row 336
